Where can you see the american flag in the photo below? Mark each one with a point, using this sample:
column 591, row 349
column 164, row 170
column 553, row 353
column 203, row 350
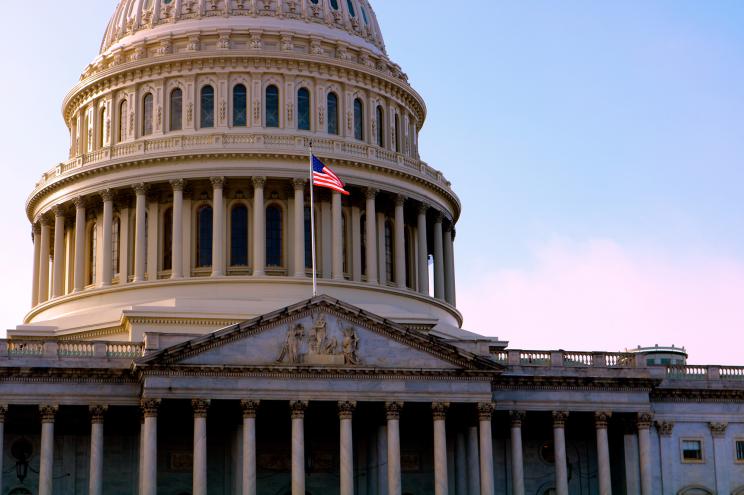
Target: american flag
column 324, row 177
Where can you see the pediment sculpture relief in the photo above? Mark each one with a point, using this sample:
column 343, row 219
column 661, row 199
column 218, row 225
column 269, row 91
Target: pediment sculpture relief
column 321, row 345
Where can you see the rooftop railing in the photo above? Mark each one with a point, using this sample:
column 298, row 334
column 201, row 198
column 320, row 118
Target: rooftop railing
column 10, row 349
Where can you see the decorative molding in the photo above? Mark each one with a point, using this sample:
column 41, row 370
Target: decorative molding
column 107, row 195
column 249, row 407
column 97, row 413
column 370, row 193
column 140, row 188
column 298, row 408
column 393, row 409
column 200, row 407
column 644, row 420
column 217, row 182
column 517, row 418
column 346, row 409
column 299, row 184
column 485, row 410
column 3, row 412
column 400, row 200
column 48, row 412
column 178, row 184
column 559, row 419
column 665, row 428
column 259, row 182
column 718, row 430
column 150, row 407
column 439, row 410
column 601, row 419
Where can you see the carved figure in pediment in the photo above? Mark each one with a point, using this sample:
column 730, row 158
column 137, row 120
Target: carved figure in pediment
column 319, row 341
column 292, row 349
column 350, row 345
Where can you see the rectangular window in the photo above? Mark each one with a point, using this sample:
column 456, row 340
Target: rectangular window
column 692, row 450
column 740, row 451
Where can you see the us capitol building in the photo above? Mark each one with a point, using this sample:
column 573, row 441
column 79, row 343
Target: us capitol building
column 173, row 348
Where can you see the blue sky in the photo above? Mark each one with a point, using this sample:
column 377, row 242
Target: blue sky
column 598, row 149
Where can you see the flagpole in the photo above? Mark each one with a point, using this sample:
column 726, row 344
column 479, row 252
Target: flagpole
column 312, row 222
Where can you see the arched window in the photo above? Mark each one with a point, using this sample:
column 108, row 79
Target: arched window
column 207, row 107
column 168, row 240
column 352, row 12
column 389, row 251
column 303, row 109
column 273, row 236
column 308, row 240
column 380, row 126
column 92, row 253
column 240, row 106
column 332, row 112
column 397, row 133
column 204, row 237
column 176, row 110
column 272, row 106
column 102, row 128
column 147, row 114
column 239, row 236
column 334, row 4
column 122, row 121
column 115, row 245
column 358, row 119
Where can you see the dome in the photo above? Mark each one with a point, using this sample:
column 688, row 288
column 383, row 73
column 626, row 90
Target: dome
column 350, row 21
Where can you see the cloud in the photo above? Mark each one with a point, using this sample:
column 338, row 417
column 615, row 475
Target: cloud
column 599, row 295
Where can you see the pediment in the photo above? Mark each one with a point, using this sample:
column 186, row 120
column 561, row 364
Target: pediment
column 320, row 333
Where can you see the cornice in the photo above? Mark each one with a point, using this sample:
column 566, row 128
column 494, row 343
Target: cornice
column 67, row 375
column 572, row 383
column 697, row 395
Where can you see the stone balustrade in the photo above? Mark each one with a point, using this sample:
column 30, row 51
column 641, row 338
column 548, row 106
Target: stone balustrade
column 63, row 349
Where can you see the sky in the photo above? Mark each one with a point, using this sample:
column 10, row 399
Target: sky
column 597, row 148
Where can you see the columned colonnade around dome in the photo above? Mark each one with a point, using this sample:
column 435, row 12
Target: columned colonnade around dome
column 157, row 231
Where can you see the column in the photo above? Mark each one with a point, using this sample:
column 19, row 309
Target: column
column 382, row 457
column 381, row 254
column 44, row 260
column 46, row 458
column 250, row 408
column 200, row 446
column 668, row 456
column 423, row 251
column 644, row 446
column 400, row 242
column 140, row 247
column 438, row 257
column 149, row 465
column 603, row 452
column 393, row 447
column 370, row 216
column 3, row 412
column 439, row 413
column 95, row 483
column 259, row 228
column 485, row 411
column 79, row 244
column 218, row 229
column 141, row 474
column 108, row 220
column 299, row 227
column 449, row 266
column 177, row 238
column 58, row 277
column 345, row 413
column 461, row 464
column 559, row 443
column 298, row 408
column 632, row 465
column 338, row 236
column 516, row 452
column 473, row 460
column 356, row 244
column 37, row 256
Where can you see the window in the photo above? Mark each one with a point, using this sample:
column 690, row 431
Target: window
column 332, row 112
column 358, row 119
column 240, row 106
column 204, row 237
column 147, row 114
column 239, row 236
column 334, row 4
column 740, row 451
column 102, row 128
column 692, row 450
column 380, row 126
column 273, row 236
column 308, row 239
column 303, row 109
column 272, row 106
column 168, row 239
column 388, row 251
column 207, row 107
column 176, row 110
column 397, row 133
column 352, row 12
column 92, row 253
column 115, row 242
column 122, row 121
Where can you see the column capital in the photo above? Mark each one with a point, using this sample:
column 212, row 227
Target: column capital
column 36, row 228
column 400, row 200
column 79, row 202
column 644, row 420
column 59, row 211
column 140, row 188
column 517, row 417
column 97, row 412
column 47, row 412
column 718, row 430
column 107, row 195
column 601, row 418
column 298, row 408
column 371, row 193
column 150, row 407
column 249, row 407
column 439, row 410
column 178, row 184
column 559, row 419
column 665, row 428
column 200, row 407
column 259, row 182
column 392, row 409
column 346, row 409
column 217, row 182
column 438, row 217
column 3, row 412
column 423, row 208
column 45, row 221
column 299, row 184
column 485, row 410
